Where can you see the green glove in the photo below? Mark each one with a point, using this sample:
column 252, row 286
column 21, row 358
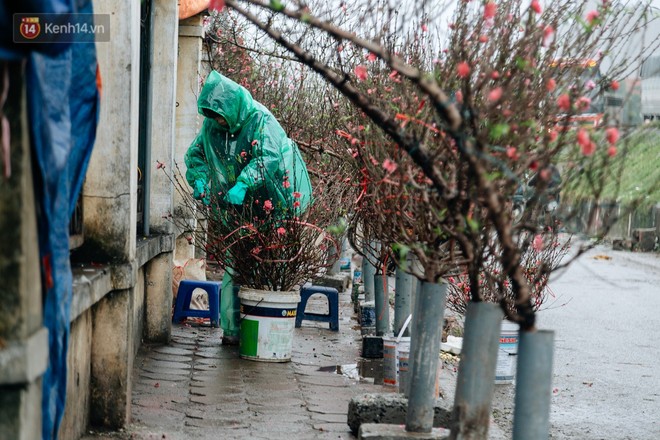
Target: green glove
column 202, row 192
column 236, row 194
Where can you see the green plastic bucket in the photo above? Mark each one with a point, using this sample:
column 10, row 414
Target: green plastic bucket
column 268, row 322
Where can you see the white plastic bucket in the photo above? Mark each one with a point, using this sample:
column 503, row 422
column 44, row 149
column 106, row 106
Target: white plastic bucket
column 268, row 321
column 390, row 355
column 506, row 356
column 403, row 359
column 389, row 361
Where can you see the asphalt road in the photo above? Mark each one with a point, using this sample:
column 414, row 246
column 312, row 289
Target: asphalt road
column 606, row 318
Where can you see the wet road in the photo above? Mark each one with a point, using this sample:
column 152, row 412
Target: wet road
column 607, row 347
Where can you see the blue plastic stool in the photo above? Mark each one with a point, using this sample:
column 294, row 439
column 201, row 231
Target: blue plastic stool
column 333, row 306
column 184, row 295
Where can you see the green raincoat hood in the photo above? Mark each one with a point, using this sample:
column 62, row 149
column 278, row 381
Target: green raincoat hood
column 252, row 149
column 231, row 101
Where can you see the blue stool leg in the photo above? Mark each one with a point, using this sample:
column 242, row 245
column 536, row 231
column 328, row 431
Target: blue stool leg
column 214, row 305
column 333, row 308
column 183, row 297
column 300, row 312
column 331, row 294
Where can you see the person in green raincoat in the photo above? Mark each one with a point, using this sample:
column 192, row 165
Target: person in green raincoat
column 240, row 155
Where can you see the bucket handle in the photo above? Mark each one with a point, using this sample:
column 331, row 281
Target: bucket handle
column 403, row 328
column 248, row 311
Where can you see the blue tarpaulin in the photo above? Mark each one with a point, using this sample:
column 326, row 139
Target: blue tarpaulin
column 63, row 106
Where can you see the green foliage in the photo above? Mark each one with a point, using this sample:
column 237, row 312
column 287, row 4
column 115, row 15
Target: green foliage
column 339, row 228
column 641, row 168
column 276, row 5
column 498, row 131
column 639, row 158
column 401, row 251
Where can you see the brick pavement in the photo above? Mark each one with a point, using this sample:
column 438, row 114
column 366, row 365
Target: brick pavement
column 196, row 388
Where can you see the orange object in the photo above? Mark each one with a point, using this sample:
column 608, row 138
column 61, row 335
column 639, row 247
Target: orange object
column 188, row 8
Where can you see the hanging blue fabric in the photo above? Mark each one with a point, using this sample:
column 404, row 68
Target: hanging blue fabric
column 13, row 52
column 63, row 106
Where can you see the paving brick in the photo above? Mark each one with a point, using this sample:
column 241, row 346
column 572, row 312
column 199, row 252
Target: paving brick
column 163, row 357
column 214, row 424
column 157, row 376
column 211, row 400
column 280, row 401
column 332, row 427
column 170, row 350
column 329, row 418
column 208, row 392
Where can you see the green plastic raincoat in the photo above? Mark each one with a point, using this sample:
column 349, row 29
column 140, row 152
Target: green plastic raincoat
column 251, row 153
column 252, row 150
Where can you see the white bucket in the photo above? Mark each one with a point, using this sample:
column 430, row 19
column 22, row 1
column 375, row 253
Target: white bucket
column 506, row 356
column 403, row 360
column 405, row 365
column 390, row 355
column 389, row 361
column 268, row 321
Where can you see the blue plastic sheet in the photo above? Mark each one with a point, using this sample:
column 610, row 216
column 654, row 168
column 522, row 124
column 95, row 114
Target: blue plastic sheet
column 11, row 51
column 63, row 106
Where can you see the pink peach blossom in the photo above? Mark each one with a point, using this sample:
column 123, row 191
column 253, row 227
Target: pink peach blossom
column 548, row 32
column 592, row 16
column 361, row 72
column 490, row 9
column 588, row 150
column 463, row 69
column 389, row 165
column 564, row 102
column 612, row 135
column 495, row 94
column 583, row 137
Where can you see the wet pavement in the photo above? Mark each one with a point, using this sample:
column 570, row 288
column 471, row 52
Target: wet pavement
column 606, row 318
column 606, row 384
column 196, row 388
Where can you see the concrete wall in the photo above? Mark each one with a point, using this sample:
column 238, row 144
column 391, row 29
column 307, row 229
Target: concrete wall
column 76, row 413
column 158, row 298
column 188, row 121
column 110, row 197
column 23, row 340
column 129, row 300
column 117, row 305
column 163, row 105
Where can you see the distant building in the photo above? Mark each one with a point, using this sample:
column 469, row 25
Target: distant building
column 650, row 75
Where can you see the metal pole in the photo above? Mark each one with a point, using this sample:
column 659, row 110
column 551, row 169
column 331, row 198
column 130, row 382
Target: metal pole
column 403, row 288
column 382, row 298
column 424, row 354
column 476, row 372
column 334, row 254
column 368, row 272
column 531, row 419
